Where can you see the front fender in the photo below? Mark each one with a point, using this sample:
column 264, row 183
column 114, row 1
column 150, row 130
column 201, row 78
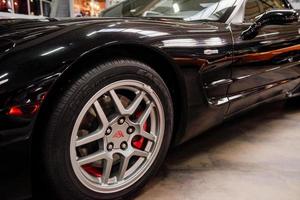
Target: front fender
column 32, row 67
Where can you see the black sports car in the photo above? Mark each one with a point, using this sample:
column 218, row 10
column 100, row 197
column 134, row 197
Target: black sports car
column 90, row 107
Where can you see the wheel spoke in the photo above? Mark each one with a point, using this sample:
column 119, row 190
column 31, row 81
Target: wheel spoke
column 140, row 153
column 123, row 167
column 97, row 135
column 143, row 118
column 136, row 102
column 117, row 102
column 148, row 136
column 133, row 106
column 107, row 170
column 101, row 115
column 91, row 158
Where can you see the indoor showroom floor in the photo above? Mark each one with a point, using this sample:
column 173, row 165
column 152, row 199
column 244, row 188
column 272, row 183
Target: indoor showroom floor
column 254, row 156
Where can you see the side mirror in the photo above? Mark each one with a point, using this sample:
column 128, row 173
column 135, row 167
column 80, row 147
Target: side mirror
column 272, row 17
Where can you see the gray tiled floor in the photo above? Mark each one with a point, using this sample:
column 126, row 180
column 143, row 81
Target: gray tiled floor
column 255, row 156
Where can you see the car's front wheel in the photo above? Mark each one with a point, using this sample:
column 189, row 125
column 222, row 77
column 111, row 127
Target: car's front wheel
column 108, row 133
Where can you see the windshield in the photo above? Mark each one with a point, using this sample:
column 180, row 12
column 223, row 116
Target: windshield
column 189, row 10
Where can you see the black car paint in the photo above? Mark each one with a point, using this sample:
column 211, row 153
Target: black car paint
column 269, row 68
column 219, row 73
column 50, row 49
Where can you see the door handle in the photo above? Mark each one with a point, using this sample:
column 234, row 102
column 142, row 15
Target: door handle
column 219, row 82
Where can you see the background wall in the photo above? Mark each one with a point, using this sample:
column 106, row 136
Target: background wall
column 54, row 8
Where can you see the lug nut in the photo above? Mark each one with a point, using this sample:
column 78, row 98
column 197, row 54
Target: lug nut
column 124, row 145
column 108, row 131
column 121, row 120
column 130, row 130
column 110, row 146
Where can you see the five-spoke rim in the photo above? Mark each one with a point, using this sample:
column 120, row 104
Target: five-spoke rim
column 117, row 136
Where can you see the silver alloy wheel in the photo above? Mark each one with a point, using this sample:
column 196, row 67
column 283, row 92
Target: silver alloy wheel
column 124, row 143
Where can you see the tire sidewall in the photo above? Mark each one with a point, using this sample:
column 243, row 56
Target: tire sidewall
column 78, row 93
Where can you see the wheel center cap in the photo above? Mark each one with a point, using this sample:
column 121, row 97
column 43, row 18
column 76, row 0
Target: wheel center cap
column 118, row 135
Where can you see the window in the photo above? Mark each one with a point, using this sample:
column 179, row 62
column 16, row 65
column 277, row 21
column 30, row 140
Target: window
column 255, row 8
column 46, row 6
column 84, row 8
column 20, row 7
column 6, row 6
column 26, row 7
column 189, row 10
column 295, row 4
column 35, row 7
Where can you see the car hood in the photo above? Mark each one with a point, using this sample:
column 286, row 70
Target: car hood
column 20, row 34
column 22, row 30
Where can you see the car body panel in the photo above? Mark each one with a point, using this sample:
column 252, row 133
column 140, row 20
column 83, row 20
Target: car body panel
column 51, row 48
column 264, row 67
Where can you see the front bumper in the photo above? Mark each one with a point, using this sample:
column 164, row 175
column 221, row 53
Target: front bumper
column 18, row 113
column 15, row 173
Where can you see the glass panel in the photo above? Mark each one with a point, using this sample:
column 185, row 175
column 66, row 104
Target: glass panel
column 21, row 7
column 35, row 7
column 5, row 6
column 46, row 9
column 190, row 10
column 295, row 4
column 83, row 8
column 255, row 8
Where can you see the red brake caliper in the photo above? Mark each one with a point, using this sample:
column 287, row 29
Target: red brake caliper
column 140, row 141
column 92, row 170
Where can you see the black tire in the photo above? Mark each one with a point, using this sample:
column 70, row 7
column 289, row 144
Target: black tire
column 55, row 153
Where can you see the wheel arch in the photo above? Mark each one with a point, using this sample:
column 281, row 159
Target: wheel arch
column 153, row 57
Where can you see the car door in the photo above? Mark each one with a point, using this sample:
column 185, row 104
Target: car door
column 267, row 65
